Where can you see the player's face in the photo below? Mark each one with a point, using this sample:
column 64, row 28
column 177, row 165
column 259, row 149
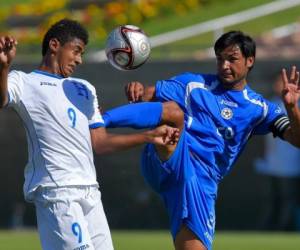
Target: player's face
column 233, row 67
column 69, row 56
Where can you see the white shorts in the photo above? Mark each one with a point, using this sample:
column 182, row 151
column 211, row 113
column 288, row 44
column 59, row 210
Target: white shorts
column 72, row 218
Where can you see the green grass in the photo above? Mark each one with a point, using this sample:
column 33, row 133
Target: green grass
column 161, row 240
column 5, row 3
column 203, row 13
column 10, row 3
column 19, row 240
column 257, row 241
column 187, row 48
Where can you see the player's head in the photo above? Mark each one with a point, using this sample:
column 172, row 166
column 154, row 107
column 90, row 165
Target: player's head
column 235, row 53
column 64, row 43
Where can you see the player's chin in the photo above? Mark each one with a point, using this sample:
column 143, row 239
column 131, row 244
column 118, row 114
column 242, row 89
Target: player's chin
column 226, row 79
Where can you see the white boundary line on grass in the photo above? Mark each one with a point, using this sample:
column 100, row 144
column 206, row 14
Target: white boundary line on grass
column 212, row 25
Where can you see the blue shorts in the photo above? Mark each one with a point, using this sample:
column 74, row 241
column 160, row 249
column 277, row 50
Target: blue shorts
column 187, row 189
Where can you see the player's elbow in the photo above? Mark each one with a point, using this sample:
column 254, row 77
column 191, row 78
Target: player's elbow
column 101, row 147
column 97, row 145
column 99, row 140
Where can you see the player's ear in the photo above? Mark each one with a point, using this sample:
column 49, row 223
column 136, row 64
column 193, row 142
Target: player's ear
column 54, row 45
column 250, row 61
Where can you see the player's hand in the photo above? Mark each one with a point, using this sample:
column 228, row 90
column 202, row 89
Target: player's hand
column 164, row 135
column 7, row 50
column 291, row 89
column 134, row 91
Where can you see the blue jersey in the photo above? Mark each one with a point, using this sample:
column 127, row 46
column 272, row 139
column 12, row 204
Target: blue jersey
column 218, row 122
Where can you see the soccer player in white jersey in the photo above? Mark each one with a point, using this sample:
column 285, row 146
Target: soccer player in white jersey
column 63, row 126
column 221, row 112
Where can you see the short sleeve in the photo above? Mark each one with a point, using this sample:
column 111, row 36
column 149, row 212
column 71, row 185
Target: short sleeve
column 95, row 120
column 273, row 113
column 172, row 89
column 15, row 85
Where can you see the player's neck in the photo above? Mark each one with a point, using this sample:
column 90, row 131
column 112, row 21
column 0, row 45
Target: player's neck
column 49, row 66
column 235, row 85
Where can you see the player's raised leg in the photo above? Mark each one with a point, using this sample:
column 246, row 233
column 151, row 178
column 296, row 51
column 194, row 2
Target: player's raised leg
column 187, row 240
column 171, row 115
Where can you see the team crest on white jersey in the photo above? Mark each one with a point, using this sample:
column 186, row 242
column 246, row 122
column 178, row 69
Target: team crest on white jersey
column 227, row 113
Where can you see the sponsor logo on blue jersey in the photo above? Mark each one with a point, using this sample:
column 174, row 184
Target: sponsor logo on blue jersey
column 229, row 103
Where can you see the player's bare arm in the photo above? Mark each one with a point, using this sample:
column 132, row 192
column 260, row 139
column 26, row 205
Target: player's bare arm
column 7, row 54
column 104, row 142
column 136, row 92
column 290, row 97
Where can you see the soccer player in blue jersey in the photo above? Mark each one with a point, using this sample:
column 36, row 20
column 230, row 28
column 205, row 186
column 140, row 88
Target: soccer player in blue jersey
column 63, row 126
column 220, row 113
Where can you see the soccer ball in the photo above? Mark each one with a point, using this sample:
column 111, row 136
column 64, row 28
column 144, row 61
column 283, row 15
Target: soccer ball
column 127, row 47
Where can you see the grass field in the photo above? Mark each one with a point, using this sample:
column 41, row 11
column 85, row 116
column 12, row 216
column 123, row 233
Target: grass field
column 160, row 240
column 186, row 48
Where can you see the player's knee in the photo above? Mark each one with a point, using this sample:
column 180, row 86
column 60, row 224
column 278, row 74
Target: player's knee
column 173, row 114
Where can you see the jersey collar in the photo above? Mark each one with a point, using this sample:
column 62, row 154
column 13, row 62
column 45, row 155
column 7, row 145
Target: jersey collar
column 47, row 74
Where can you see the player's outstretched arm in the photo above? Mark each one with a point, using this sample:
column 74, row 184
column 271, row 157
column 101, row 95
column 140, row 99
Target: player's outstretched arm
column 290, row 97
column 7, row 54
column 104, row 142
column 137, row 92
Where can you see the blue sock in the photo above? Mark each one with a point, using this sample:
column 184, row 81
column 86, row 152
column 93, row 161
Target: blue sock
column 136, row 115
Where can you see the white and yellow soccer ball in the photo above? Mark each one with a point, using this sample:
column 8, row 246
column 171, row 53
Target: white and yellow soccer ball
column 127, row 47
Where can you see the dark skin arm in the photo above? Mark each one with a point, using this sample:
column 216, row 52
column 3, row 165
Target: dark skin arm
column 7, row 54
column 104, row 142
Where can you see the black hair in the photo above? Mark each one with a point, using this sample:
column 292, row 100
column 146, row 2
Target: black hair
column 64, row 31
column 245, row 43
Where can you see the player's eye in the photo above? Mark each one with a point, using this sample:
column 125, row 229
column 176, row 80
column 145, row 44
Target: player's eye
column 233, row 59
column 77, row 52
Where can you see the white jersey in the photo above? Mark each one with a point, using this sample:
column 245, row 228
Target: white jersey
column 57, row 114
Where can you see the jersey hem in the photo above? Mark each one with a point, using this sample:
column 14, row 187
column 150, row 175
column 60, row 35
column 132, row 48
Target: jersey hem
column 96, row 125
